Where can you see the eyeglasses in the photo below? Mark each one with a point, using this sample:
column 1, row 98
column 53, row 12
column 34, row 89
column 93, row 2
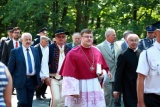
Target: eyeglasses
column 61, row 36
column 16, row 32
column 88, row 37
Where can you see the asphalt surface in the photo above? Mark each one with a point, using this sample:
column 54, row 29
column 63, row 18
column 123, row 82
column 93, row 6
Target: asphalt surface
column 39, row 103
column 36, row 103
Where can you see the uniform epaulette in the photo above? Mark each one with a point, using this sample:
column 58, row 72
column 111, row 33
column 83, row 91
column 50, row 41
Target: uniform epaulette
column 35, row 39
column 149, row 47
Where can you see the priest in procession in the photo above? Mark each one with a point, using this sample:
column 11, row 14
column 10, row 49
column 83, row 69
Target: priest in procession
column 81, row 69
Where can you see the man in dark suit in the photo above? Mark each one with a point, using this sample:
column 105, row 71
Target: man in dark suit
column 126, row 76
column 9, row 30
column 124, row 45
column 75, row 40
column 24, row 65
column 11, row 44
column 43, row 51
column 42, row 32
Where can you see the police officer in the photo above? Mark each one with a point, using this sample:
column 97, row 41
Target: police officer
column 9, row 31
column 148, row 86
column 42, row 32
column 149, row 40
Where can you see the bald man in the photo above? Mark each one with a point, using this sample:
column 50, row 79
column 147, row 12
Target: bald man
column 126, row 76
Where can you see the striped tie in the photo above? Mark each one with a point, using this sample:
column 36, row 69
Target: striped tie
column 112, row 48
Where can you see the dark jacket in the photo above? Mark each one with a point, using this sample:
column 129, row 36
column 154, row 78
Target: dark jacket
column 126, row 76
column 54, row 56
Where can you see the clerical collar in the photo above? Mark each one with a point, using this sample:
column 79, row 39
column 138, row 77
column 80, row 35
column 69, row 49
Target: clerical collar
column 134, row 49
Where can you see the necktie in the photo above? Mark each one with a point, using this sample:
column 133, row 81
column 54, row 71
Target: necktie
column 112, row 48
column 16, row 44
column 29, row 61
column 151, row 41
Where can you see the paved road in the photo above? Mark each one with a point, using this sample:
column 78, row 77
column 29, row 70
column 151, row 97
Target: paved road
column 36, row 103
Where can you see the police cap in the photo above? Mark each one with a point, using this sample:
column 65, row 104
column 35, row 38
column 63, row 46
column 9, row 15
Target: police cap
column 157, row 25
column 43, row 29
column 10, row 29
column 150, row 28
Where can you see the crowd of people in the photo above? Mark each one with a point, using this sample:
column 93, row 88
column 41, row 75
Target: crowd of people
column 81, row 73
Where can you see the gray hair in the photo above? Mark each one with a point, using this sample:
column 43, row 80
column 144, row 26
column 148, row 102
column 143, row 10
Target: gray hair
column 132, row 35
column 76, row 33
column 126, row 33
column 109, row 31
column 44, row 38
column 26, row 34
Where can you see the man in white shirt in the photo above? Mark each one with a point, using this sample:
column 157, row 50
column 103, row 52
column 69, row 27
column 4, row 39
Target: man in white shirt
column 148, row 86
column 44, row 72
column 11, row 44
column 24, row 65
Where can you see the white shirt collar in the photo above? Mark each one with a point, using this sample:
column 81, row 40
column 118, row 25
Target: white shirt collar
column 43, row 47
column 14, row 43
column 60, row 47
column 24, row 48
column 108, row 43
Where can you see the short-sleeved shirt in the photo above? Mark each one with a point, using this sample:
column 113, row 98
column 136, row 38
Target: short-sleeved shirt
column 149, row 65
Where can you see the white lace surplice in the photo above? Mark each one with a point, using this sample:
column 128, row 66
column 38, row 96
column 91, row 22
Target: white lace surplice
column 90, row 92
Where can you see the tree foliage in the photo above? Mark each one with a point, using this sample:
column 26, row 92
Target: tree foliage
column 74, row 15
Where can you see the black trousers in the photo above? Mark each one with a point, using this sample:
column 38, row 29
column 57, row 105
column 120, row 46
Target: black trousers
column 41, row 90
column 152, row 100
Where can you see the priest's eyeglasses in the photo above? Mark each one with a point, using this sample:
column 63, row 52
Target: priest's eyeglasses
column 88, row 37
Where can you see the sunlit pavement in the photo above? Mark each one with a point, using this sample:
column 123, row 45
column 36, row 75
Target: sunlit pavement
column 36, row 103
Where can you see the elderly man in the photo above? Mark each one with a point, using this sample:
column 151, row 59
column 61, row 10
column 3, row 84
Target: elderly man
column 126, row 76
column 124, row 45
column 75, row 40
column 24, row 66
column 110, row 51
column 43, row 52
column 148, row 87
column 57, row 53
